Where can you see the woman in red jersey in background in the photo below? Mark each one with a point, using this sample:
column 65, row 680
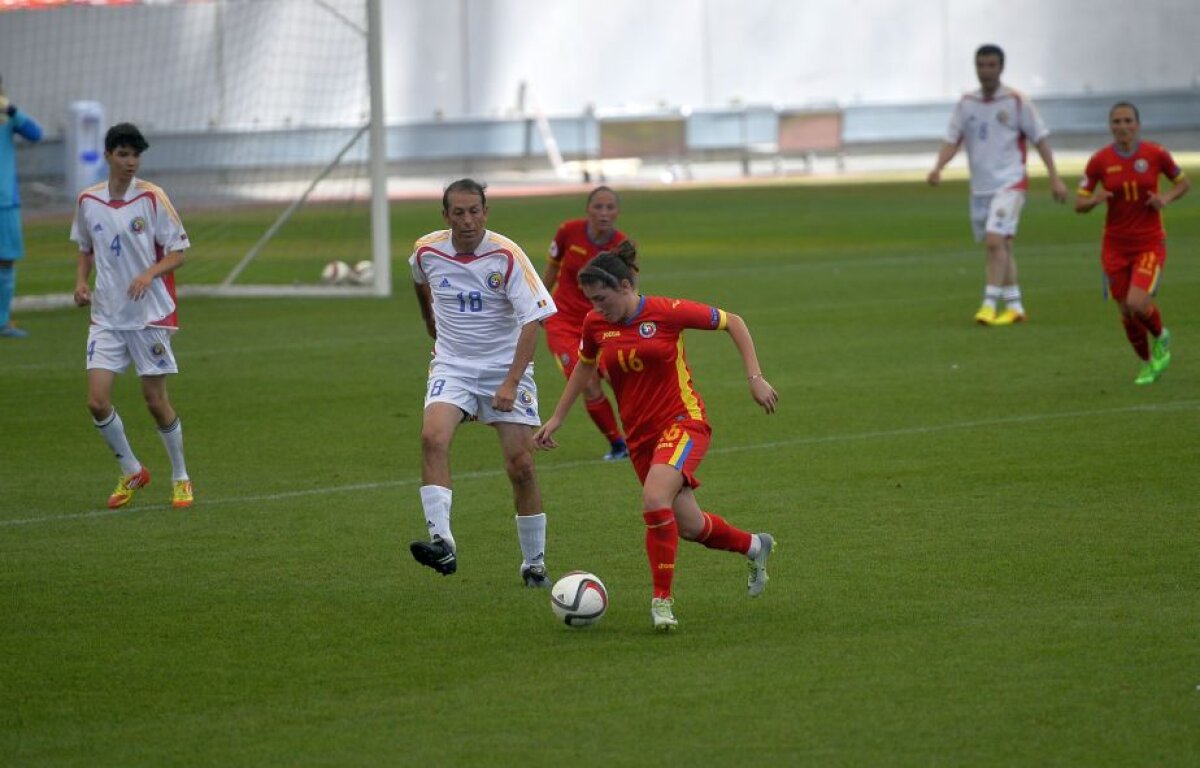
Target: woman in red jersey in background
column 638, row 340
column 1125, row 176
column 575, row 244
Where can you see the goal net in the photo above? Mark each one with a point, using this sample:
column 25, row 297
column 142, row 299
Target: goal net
column 264, row 119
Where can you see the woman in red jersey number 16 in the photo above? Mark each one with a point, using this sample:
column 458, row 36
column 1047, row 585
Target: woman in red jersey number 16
column 1124, row 175
column 638, row 340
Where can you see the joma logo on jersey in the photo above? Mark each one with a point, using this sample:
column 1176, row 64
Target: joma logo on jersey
column 495, row 281
column 577, row 249
column 138, row 225
column 610, row 335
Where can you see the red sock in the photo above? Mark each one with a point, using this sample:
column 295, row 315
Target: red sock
column 1153, row 321
column 662, row 540
column 1136, row 333
column 605, row 420
column 718, row 534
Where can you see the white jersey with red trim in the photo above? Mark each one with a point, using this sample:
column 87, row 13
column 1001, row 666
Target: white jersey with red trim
column 480, row 299
column 127, row 236
column 994, row 131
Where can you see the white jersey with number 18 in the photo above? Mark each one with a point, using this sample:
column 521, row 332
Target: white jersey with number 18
column 480, row 299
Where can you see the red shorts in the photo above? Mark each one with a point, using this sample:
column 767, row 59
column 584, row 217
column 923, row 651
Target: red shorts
column 681, row 445
column 1132, row 266
column 564, row 345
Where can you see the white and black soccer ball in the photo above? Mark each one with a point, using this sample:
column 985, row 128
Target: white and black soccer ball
column 363, row 272
column 579, row 599
column 335, row 273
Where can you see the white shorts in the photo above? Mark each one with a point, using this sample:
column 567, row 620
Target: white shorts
column 997, row 214
column 473, row 395
column 149, row 349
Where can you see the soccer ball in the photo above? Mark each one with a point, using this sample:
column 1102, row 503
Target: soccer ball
column 579, row 599
column 363, row 272
column 335, row 273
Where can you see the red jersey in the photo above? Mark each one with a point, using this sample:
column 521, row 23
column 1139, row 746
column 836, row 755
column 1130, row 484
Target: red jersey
column 572, row 249
column 646, row 364
column 1131, row 179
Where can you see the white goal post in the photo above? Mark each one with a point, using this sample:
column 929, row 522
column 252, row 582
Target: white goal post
column 266, row 111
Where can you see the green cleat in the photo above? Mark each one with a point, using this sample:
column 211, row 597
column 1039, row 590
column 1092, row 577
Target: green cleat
column 1148, row 374
column 1160, row 354
column 663, row 615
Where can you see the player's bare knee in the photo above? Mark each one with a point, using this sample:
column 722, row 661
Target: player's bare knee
column 158, row 404
column 652, row 500
column 100, row 407
column 520, row 469
column 687, row 530
column 434, row 443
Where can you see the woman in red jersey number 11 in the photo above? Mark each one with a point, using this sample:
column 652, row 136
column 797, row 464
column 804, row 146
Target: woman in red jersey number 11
column 1124, row 175
column 638, row 340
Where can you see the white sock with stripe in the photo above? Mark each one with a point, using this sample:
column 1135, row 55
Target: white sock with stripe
column 436, row 499
column 531, row 532
column 172, row 437
column 112, row 430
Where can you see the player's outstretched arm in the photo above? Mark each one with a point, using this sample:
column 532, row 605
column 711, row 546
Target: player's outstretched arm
column 760, row 389
column 543, row 438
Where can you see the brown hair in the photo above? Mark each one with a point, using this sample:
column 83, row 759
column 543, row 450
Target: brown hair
column 470, row 186
column 609, row 268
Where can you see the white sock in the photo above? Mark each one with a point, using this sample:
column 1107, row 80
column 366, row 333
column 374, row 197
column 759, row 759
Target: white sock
column 435, row 499
column 112, row 430
column 755, row 546
column 531, row 532
column 991, row 294
column 172, row 438
column 1012, row 298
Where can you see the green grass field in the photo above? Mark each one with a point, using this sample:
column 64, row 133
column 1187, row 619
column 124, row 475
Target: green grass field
column 989, row 546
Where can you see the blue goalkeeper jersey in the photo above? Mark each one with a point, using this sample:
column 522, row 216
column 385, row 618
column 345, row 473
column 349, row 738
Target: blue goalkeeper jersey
column 18, row 124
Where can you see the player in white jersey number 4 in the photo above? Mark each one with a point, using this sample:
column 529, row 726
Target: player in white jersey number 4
column 129, row 233
column 483, row 303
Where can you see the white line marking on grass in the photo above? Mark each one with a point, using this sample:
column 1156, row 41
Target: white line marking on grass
column 1181, row 405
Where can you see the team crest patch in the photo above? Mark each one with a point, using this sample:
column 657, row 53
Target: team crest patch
column 647, row 329
column 525, row 399
column 1140, row 165
column 1001, row 213
column 1002, row 117
column 564, row 358
column 157, row 350
column 137, row 226
column 495, row 281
